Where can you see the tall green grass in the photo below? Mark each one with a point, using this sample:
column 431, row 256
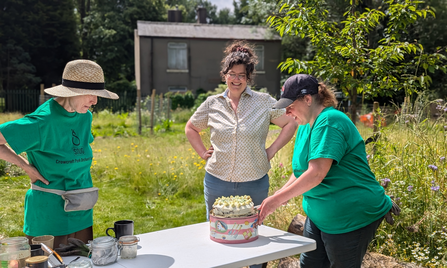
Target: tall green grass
column 157, row 181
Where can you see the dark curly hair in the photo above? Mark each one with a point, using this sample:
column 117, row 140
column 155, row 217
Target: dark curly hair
column 239, row 52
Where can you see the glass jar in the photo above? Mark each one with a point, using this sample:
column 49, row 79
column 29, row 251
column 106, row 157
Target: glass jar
column 14, row 251
column 37, row 262
column 104, row 250
column 128, row 246
column 80, row 264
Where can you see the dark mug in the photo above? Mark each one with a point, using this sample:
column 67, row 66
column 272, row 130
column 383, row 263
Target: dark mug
column 36, row 250
column 121, row 228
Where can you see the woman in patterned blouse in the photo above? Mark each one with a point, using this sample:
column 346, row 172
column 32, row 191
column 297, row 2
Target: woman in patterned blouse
column 239, row 119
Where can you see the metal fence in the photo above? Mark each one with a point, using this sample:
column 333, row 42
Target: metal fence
column 23, row 101
column 126, row 102
column 26, row 101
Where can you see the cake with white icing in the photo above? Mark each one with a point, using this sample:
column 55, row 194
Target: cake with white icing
column 233, row 207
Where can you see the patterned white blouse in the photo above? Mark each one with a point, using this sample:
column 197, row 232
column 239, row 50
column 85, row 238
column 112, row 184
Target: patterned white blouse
column 238, row 138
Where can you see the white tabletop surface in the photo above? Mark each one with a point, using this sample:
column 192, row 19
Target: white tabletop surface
column 191, row 246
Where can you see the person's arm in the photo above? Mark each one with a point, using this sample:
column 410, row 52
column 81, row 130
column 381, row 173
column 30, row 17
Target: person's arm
column 10, row 156
column 289, row 127
column 317, row 171
column 193, row 135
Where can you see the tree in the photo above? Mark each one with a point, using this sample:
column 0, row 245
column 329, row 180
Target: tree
column 110, row 33
column 344, row 54
column 37, row 39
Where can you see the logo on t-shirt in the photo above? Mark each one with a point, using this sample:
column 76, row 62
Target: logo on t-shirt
column 76, row 142
column 74, row 139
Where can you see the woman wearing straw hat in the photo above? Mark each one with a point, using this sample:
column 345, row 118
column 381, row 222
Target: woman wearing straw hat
column 56, row 138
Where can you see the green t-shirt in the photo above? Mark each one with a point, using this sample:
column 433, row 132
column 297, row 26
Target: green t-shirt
column 57, row 143
column 349, row 197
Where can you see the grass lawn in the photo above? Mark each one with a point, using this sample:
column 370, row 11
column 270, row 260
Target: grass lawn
column 157, row 181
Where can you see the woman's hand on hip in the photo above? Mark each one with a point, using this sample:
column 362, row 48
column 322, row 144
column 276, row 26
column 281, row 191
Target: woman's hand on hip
column 34, row 175
column 270, row 153
column 207, row 154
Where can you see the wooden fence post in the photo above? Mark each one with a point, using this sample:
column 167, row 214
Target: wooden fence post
column 161, row 105
column 42, row 94
column 376, row 117
column 152, row 110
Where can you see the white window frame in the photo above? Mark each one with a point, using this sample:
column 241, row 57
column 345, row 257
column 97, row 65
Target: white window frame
column 177, row 57
column 259, row 51
column 178, row 88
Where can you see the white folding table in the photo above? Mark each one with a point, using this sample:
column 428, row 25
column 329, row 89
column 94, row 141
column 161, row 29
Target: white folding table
column 191, row 246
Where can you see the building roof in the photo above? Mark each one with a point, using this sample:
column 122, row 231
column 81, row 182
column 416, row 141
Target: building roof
column 207, row 31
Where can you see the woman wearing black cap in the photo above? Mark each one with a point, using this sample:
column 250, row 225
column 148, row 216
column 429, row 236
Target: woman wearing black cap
column 341, row 197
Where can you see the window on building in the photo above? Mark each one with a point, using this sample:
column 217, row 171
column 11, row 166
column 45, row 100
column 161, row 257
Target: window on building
column 177, row 56
column 259, row 50
column 178, row 89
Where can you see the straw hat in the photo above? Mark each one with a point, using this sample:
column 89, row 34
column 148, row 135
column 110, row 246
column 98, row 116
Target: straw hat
column 82, row 77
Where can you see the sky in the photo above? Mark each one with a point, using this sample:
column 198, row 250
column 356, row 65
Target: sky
column 222, row 4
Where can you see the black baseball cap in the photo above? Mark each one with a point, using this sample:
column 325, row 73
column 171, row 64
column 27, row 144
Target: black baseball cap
column 296, row 86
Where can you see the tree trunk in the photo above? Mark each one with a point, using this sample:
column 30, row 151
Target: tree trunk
column 354, row 104
column 83, row 12
column 354, row 75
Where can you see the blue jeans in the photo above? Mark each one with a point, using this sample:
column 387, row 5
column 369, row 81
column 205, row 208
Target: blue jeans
column 215, row 187
column 337, row 250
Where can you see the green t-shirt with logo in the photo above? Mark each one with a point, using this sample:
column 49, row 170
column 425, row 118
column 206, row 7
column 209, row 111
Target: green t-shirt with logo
column 349, row 197
column 57, row 143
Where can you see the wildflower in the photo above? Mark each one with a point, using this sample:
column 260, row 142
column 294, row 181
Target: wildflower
column 140, row 172
column 385, row 182
column 281, row 165
column 433, row 182
column 442, row 158
column 368, row 157
column 116, row 168
column 159, row 193
column 433, row 167
column 181, row 173
column 407, row 121
column 410, row 188
column 434, row 188
column 283, row 176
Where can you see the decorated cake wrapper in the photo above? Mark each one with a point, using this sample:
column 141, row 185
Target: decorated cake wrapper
column 233, row 230
column 231, row 216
